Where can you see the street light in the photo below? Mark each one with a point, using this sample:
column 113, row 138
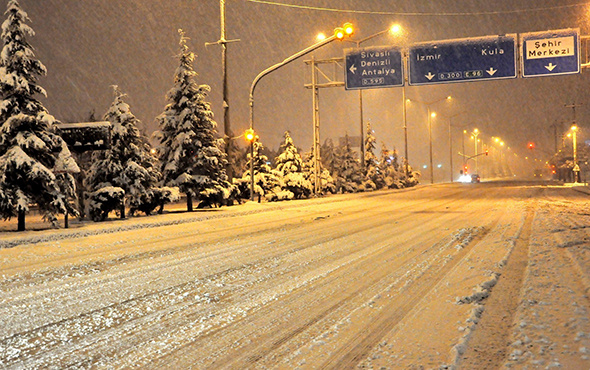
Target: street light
column 451, row 142
column 346, row 30
column 474, row 137
column 430, row 115
column 395, row 30
column 250, row 136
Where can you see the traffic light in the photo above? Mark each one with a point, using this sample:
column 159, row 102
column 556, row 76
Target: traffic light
column 531, row 146
column 487, row 152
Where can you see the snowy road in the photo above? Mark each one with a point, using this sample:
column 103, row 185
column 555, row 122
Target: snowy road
column 475, row 276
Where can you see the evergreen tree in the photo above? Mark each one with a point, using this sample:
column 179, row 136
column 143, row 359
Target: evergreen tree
column 326, row 179
column 347, row 171
column 190, row 154
column 290, row 164
column 327, row 155
column 128, row 164
column 29, row 146
column 267, row 182
column 373, row 177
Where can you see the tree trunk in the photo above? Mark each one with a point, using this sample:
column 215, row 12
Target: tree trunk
column 189, row 202
column 21, row 221
column 122, row 210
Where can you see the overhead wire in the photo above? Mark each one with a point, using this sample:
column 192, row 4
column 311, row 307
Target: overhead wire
column 425, row 14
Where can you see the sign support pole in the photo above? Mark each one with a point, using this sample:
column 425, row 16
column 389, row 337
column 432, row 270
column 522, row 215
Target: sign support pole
column 316, row 127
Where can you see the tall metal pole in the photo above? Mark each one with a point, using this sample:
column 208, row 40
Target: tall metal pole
column 252, row 169
column 226, row 123
column 463, row 145
column 223, row 42
column 405, row 116
column 362, row 131
column 316, row 128
column 451, row 148
column 430, row 145
column 475, row 152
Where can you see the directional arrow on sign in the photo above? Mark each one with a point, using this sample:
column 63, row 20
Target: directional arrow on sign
column 551, row 66
column 491, row 71
column 352, row 69
column 429, row 76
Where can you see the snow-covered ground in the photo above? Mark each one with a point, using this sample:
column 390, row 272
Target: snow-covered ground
column 465, row 275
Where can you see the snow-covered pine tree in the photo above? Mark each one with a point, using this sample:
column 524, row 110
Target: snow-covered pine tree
column 290, row 164
column 190, row 153
column 327, row 155
column 29, row 146
column 267, row 182
column 128, row 164
column 373, row 177
column 347, row 172
column 326, row 180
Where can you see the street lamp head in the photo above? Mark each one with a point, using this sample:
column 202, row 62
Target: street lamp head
column 433, row 114
column 449, row 97
column 348, row 29
column 395, row 29
column 475, row 130
column 321, row 36
column 339, row 33
column 574, row 128
column 249, row 135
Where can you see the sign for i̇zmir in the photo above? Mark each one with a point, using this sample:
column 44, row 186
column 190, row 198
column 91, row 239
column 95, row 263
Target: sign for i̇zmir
column 461, row 60
column 550, row 53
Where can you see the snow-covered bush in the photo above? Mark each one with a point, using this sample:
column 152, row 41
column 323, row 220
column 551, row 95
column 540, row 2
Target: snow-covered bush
column 156, row 197
column 104, row 201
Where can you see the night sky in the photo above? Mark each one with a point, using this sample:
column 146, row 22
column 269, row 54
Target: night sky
column 89, row 45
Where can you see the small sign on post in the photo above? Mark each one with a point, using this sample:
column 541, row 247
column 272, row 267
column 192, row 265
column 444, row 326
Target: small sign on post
column 82, row 137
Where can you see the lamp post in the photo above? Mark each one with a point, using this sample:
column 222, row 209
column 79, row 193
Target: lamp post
column 430, row 115
column 474, row 135
column 339, row 34
column 451, row 142
column 395, row 29
column 574, row 129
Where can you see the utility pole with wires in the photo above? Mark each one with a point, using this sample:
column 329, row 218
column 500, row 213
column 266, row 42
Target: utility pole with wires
column 226, row 123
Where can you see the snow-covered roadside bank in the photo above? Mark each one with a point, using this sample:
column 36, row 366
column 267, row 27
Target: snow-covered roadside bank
column 552, row 326
column 176, row 214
